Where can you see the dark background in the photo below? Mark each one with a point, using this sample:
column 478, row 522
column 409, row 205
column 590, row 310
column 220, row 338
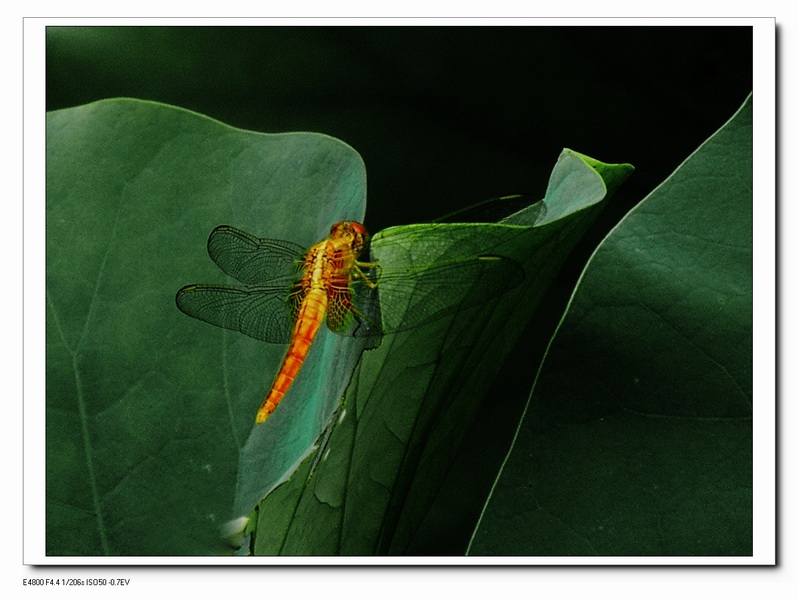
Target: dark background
column 443, row 117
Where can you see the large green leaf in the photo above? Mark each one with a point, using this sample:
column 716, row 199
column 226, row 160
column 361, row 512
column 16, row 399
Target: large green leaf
column 151, row 443
column 367, row 487
column 637, row 440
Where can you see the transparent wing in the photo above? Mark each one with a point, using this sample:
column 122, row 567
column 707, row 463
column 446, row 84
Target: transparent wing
column 515, row 208
column 262, row 312
column 339, row 310
column 407, row 298
column 251, row 259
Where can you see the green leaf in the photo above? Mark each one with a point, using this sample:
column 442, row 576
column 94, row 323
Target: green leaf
column 637, row 439
column 367, row 487
column 151, row 441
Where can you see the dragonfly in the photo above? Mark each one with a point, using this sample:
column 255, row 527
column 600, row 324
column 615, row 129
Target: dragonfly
column 289, row 290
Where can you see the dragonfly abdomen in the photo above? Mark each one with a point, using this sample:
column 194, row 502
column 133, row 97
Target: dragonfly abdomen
column 311, row 314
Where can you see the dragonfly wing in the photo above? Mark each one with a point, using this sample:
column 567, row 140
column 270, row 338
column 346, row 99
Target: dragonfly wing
column 262, row 312
column 516, row 208
column 339, row 309
column 407, row 298
column 251, row 259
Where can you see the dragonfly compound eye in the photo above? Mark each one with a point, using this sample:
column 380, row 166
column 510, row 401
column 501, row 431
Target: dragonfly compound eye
column 359, row 228
column 352, row 230
column 360, row 235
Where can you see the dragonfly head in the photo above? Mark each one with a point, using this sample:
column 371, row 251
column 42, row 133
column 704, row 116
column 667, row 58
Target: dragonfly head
column 351, row 230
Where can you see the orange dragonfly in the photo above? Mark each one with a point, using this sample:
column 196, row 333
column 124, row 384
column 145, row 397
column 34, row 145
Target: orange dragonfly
column 288, row 291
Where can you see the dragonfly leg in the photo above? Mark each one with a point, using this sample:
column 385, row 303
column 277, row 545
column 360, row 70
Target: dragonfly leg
column 356, row 270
